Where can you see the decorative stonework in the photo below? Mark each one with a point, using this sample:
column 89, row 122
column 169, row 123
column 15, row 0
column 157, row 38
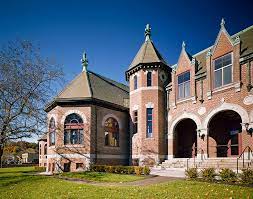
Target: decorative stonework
column 81, row 114
column 135, row 107
column 169, row 118
column 185, row 115
column 163, row 76
column 248, row 100
column 237, row 87
column 113, row 116
column 202, row 110
column 149, row 105
column 209, row 95
column 237, row 40
column 227, row 106
column 209, row 53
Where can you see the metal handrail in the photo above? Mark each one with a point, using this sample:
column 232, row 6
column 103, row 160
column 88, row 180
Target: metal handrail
column 250, row 152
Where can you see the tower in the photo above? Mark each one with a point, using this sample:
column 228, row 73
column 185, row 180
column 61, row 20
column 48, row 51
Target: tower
column 148, row 74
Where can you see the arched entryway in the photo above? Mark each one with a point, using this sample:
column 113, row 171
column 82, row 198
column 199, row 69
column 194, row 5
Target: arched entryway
column 185, row 139
column 224, row 134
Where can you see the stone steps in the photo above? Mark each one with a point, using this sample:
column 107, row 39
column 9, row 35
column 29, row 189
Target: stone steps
column 217, row 163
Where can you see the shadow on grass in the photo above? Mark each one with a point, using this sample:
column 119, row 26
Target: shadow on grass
column 10, row 180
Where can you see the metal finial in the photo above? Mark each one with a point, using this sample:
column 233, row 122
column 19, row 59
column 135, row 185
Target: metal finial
column 183, row 45
column 147, row 32
column 222, row 23
column 84, row 61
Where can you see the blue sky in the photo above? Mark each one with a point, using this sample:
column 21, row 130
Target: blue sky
column 112, row 31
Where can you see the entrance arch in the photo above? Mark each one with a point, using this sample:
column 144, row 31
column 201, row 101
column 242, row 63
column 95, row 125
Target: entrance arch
column 224, row 134
column 185, row 139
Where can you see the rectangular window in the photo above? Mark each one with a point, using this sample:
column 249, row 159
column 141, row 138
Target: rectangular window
column 149, row 122
column 149, row 79
column 223, row 70
column 135, row 121
column 183, row 82
column 135, row 82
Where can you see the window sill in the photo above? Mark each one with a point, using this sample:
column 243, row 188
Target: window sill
column 117, row 147
column 73, row 145
column 222, row 88
column 184, row 100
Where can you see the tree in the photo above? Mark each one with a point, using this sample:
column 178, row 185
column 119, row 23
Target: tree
column 26, row 84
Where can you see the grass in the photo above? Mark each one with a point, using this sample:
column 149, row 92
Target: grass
column 103, row 177
column 18, row 183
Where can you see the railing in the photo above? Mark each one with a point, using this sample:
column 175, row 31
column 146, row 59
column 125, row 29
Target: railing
column 196, row 150
column 250, row 157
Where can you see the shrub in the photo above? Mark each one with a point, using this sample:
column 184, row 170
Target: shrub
column 227, row 175
column 130, row 170
column 40, row 169
column 208, row 174
column 138, row 170
column 146, row 170
column 247, row 176
column 191, row 173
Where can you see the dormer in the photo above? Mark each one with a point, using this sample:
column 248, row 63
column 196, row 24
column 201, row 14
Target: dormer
column 184, row 76
column 223, row 62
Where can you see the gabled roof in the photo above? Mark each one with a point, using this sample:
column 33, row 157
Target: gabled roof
column 246, row 39
column 92, row 86
column 147, row 54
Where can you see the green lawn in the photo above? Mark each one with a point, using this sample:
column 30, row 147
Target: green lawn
column 19, row 183
column 103, row 177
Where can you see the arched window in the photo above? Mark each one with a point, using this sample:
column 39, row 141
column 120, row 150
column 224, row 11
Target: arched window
column 73, row 129
column 52, row 132
column 111, row 129
column 149, row 79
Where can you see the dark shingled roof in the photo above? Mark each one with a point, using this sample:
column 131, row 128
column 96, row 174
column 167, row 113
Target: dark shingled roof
column 89, row 85
column 147, row 54
column 246, row 38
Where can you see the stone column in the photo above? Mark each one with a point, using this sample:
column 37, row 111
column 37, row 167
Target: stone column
column 209, row 74
column 170, row 145
column 236, row 64
column 202, row 143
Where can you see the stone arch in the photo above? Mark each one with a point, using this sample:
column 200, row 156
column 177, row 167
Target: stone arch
column 81, row 114
column 224, row 107
column 113, row 116
column 185, row 115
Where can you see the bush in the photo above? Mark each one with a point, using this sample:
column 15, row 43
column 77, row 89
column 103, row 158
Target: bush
column 130, row 170
column 247, row 176
column 40, row 169
column 138, row 170
column 208, row 174
column 146, row 170
column 121, row 169
column 192, row 173
column 227, row 175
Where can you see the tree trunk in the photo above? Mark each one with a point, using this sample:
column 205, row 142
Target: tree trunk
column 1, row 154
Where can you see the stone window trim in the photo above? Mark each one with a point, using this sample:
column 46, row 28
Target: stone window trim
column 81, row 114
column 113, row 116
column 223, row 88
column 177, row 85
column 111, row 133
column 213, row 71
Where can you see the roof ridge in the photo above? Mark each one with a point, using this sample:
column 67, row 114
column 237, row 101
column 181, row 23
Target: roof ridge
column 108, row 80
column 232, row 36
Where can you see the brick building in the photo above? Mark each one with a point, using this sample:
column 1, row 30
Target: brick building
column 202, row 106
